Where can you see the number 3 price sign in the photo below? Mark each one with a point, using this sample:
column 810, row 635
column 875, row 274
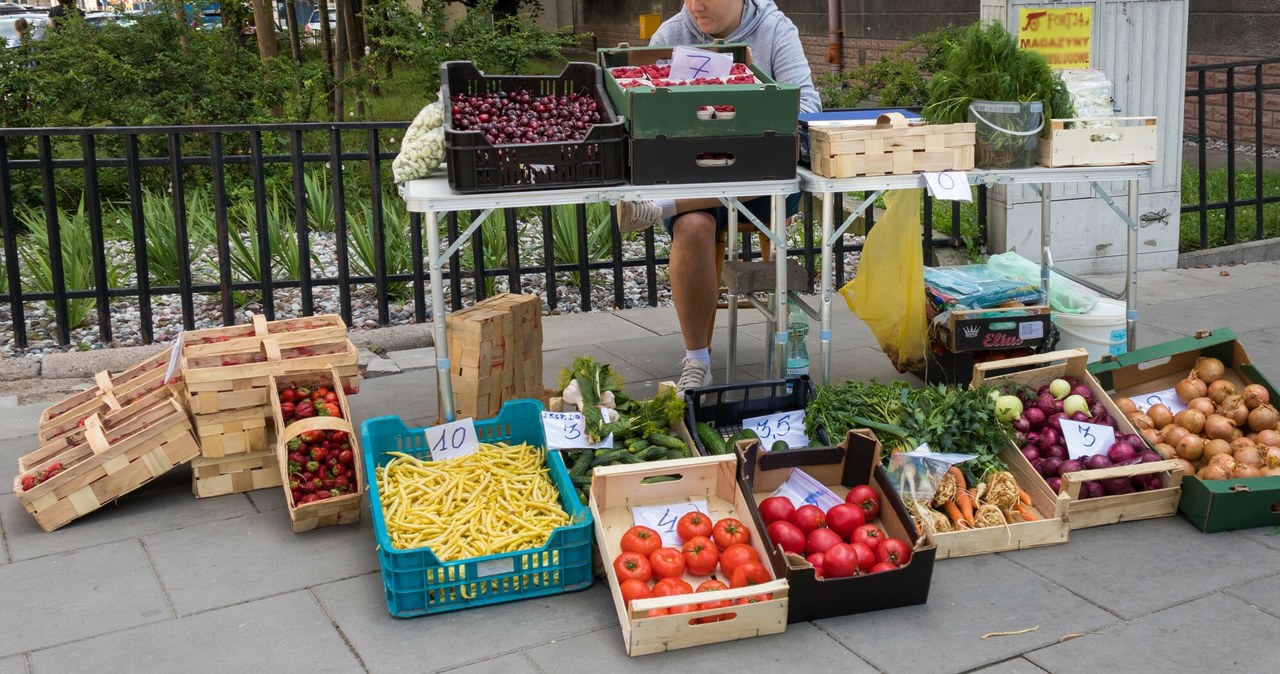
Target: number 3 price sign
column 786, row 426
column 452, row 440
column 1084, row 439
column 567, row 430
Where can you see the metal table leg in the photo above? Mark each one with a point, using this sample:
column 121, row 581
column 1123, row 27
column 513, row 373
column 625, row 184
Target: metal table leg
column 731, row 253
column 828, row 215
column 779, row 225
column 1045, row 226
column 443, row 383
column 1131, row 260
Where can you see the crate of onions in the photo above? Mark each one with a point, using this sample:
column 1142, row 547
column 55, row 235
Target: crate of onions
column 1203, row 401
column 1079, row 442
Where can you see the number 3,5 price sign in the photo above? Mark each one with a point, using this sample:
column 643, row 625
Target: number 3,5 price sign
column 452, row 440
column 786, row 426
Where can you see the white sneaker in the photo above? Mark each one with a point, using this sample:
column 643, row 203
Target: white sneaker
column 693, row 374
column 635, row 216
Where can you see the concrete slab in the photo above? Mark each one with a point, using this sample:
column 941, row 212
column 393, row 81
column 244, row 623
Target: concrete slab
column 1262, row 536
column 386, row 643
column 266, row 500
column 1158, row 286
column 21, row 421
column 1233, row 278
column 12, row 449
column 1149, row 335
column 381, row 368
column 364, row 357
column 14, row 665
column 1019, row 600
column 555, row 361
column 515, row 663
column 414, row 359
column 85, row 364
column 78, row 594
column 587, row 329
column 1263, row 594
column 663, row 321
column 406, row 394
column 289, row 633
column 4, row 546
column 163, row 505
column 1098, row 564
column 861, row 364
column 221, row 563
column 8, row 401
column 802, row 648
column 1264, row 349
column 1014, row 666
column 1231, row 310
column 1228, row 636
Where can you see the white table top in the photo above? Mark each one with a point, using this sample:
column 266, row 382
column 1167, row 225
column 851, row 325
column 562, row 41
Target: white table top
column 812, row 182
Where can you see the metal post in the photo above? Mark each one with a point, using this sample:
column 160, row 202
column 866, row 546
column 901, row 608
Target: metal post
column 443, row 385
column 780, row 275
column 1131, row 292
column 828, row 215
column 731, row 297
column 1045, row 202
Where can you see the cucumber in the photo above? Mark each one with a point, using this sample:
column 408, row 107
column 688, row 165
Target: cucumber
column 779, row 446
column 668, row 441
column 658, row 478
column 711, row 439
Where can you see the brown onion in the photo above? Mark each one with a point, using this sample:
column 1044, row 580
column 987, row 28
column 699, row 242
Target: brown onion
column 1165, row 450
column 1203, row 404
column 1271, row 472
column 1219, row 390
column 1242, row 471
column 1268, row 437
column 1241, row 441
column 1255, row 394
column 1263, row 418
column 1218, row 427
column 1173, row 433
column 1188, row 468
column 1126, row 406
column 1140, row 421
column 1190, row 419
column 1272, row 457
column 1190, row 388
column 1224, row 460
column 1160, row 415
column 1248, row 455
column 1215, row 448
column 1209, row 369
column 1151, row 435
column 1233, row 408
column 1214, row 472
column 1190, row 447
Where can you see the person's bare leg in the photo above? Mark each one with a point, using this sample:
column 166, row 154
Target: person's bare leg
column 694, row 286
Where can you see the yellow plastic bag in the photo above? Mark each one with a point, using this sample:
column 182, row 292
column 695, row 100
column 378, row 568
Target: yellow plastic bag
column 887, row 292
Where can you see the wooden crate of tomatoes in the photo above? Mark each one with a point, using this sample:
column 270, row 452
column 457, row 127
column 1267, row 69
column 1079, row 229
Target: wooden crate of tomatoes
column 321, row 467
column 861, row 552
column 686, row 564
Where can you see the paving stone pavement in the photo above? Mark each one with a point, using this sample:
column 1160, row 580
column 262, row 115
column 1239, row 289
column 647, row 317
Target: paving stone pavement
column 159, row 581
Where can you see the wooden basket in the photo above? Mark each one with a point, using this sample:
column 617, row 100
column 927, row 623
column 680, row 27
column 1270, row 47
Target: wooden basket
column 234, row 474
column 232, row 432
column 108, row 463
column 344, row 509
column 1132, row 141
column 109, row 420
column 234, row 374
column 291, row 332
column 890, row 147
column 109, row 393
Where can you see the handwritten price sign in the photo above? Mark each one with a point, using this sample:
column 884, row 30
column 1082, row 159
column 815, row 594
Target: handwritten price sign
column 785, row 426
column 1084, row 439
column 688, row 63
column 663, row 518
column 568, row 430
column 1167, row 397
column 452, row 440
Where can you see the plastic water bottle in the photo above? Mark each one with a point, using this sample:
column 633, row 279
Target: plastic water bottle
column 797, row 348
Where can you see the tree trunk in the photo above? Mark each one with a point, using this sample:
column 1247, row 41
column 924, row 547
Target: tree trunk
column 295, row 38
column 266, row 28
column 327, row 53
column 339, row 64
column 349, row 11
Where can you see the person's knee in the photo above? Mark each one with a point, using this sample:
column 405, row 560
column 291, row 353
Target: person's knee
column 694, row 231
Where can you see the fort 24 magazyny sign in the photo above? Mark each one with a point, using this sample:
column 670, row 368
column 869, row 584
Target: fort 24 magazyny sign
column 1062, row 35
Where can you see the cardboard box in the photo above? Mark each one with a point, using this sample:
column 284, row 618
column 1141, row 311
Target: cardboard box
column 1212, row 505
column 855, row 461
column 1161, row 502
column 495, row 353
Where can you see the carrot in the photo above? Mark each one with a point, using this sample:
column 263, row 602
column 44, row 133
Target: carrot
column 1026, row 513
column 1024, row 496
column 963, row 499
column 960, row 482
column 953, row 513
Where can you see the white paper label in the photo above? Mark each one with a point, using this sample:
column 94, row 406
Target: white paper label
column 1031, row 330
column 663, row 518
column 785, row 426
column 948, row 185
column 175, row 357
column 1167, row 397
column 568, row 430
column 801, row 488
column 688, row 63
column 1083, row 438
column 452, row 440
column 495, row 567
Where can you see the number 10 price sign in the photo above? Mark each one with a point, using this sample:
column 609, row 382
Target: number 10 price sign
column 452, row 440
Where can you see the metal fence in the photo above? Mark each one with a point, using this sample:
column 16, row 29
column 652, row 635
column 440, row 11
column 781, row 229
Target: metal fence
column 45, row 170
column 1220, row 85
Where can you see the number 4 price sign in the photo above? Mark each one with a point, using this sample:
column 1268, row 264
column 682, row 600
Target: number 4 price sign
column 452, row 440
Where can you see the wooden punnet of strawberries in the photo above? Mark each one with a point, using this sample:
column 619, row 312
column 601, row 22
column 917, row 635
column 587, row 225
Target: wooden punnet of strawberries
column 321, row 463
column 303, row 402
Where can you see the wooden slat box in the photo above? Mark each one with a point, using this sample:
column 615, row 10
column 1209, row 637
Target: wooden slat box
column 234, row 474
column 109, row 463
column 233, row 375
column 232, row 432
column 110, row 392
column 495, row 351
column 1132, row 141
column 891, row 147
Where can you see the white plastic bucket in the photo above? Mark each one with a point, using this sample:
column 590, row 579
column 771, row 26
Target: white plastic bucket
column 1101, row 331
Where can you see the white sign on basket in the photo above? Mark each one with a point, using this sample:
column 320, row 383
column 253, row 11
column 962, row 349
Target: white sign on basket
column 175, row 357
column 568, row 430
column 801, row 488
column 785, row 426
column 452, row 440
column 688, row 63
column 1084, row 438
column 1167, row 397
column 663, row 518
column 948, row 185
column 1030, row 330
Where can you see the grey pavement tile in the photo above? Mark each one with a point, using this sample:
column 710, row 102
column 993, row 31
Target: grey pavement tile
column 76, row 595
column 963, row 605
column 1159, row 286
column 1234, row 277
column 414, row 359
column 439, row 642
column 21, row 421
column 265, row 500
column 1263, row 594
column 862, row 364
column 1241, row 312
column 1262, row 535
column 221, row 563
column 1149, row 335
column 12, row 449
column 514, row 663
column 663, row 320
column 1212, row 634
column 4, row 546
column 586, row 329
column 410, row 394
column 1014, row 666
column 553, row 361
column 802, row 648
column 289, row 633
column 1264, row 350
column 161, row 505
column 14, row 665
column 1099, row 564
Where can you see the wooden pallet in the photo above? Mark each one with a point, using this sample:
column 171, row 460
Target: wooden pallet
column 333, row 511
column 108, row 463
column 1132, row 140
column 890, row 147
column 109, row 393
column 234, row 474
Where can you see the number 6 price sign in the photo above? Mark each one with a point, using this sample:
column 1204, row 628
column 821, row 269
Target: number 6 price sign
column 452, row 440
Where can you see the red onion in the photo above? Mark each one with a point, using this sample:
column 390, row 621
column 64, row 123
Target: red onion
column 1035, row 417
column 1071, row 466
column 1082, row 391
column 1021, row 425
column 1097, row 410
column 1055, row 483
column 1057, row 452
column 1094, row 487
column 1031, row 453
column 1097, row 462
column 1154, row 482
column 1055, row 421
column 1121, row 452
column 1042, row 391
column 1048, row 437
column 1052, row 467
column 1047, row 404
column 1148, row 456
column 1071, row 381
column 1116, row 486
column 1131, row 438
column 1033, row 438
column 1079, row 416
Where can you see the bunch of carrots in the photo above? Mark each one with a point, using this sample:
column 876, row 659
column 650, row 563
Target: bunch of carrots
column 961, row 508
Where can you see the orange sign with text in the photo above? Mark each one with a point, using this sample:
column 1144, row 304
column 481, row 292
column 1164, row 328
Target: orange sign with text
column 1062, row 35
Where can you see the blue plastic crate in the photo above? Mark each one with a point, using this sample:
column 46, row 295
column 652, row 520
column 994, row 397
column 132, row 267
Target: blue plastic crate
column 418, row 583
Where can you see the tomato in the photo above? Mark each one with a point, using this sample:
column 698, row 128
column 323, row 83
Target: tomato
column 630, row 565
column 776, row 508
column 839, row 561
column 751, row 573
column 844, row 518
column 655, row 612
column 816, row 560
column 787, row 535
column 693, row 524
column 753, row 599
column 700, row 556
column 671, row 586
column 711, row 585
column 866, row 498
column 895, row 551
column 883, row 566
column 634, row 589
column 808, row 517
column 729, row 531
column 819, row 540
column 736, row 555
column 866, row 557
column 641, row 539
column 869, row 535
column 667, row 563
column 683, row 608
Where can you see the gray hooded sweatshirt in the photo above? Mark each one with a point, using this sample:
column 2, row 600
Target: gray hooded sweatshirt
column 774, row 41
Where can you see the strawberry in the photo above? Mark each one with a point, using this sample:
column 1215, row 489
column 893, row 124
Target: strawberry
column 28, row 482
column 319, row 453
column 346, row 457
column 331, row 409
column 335, row 492
column 294, row 445
column 313, row 437
column 303, row 392
column 286, row 410
column 288, row 395
column 341, row 482
column 338, row 436
column 312, row 467
column 330, row 397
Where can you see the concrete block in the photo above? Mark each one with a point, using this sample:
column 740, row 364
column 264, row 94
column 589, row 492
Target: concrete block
column 13, row 665
column 24, row 367
column 1015, row 666
column 414, row 359
column 289, row 633
column 1263, row 594
column 1250, row 251
column 754, row 277
column 364, row 357
column 85, row 364
column 381, row 367
column 515, row 663
column 394, row 338
column 77, row 595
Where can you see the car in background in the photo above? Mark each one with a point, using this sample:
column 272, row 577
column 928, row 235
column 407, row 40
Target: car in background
column 9, row 33
column 312, row 28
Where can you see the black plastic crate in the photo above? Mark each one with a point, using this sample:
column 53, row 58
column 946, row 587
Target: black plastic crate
column 476, row 166
column 679, row 161
column 725, row 407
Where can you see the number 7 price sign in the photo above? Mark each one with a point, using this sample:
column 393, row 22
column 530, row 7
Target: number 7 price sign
column 452, row 440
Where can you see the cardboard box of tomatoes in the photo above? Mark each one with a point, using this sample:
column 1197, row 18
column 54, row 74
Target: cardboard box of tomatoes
column 869, row 519
column 685, row 562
